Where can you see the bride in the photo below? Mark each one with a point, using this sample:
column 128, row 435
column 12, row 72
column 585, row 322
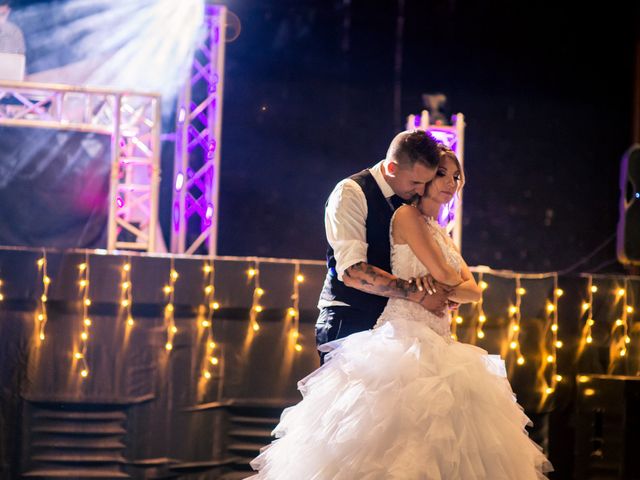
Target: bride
column 404, row 401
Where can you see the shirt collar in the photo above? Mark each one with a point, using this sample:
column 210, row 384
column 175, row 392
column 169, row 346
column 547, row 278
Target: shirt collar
column 376, row 171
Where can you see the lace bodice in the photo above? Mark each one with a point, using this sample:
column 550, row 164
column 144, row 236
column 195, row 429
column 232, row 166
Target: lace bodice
column 405, row 264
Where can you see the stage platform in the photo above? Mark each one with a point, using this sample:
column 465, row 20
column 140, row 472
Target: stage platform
column 169, row 366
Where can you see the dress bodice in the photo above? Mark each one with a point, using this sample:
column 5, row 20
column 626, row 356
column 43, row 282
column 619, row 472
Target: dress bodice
column 405, row 264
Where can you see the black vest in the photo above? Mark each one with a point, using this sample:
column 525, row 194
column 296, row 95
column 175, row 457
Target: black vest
column 379, row 213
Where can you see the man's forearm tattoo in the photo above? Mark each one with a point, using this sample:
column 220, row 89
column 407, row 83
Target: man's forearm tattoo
column 374, row 280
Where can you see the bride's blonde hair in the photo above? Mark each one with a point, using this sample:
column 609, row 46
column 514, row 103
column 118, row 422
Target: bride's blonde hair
column 448, row 210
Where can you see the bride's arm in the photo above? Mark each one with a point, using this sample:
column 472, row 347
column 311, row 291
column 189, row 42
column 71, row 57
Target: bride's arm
column 409, row 227
column 468, row 290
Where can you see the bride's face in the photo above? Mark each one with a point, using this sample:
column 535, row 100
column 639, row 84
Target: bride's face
column 446, row 182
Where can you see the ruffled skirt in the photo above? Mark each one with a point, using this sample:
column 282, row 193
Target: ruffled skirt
column 398, row 403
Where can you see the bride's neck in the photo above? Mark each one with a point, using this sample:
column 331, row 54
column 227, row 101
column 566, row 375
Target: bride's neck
column 429, row 208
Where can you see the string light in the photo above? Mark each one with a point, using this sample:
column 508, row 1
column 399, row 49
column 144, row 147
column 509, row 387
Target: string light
column 126, row 296
column 482, row 318
column 83, row 282
column 587, row 310
column 254, row 274
column 294, row 310
column 1, row 294
column 620, row 333
column 620, row 328
column 514, row 322
column 41, row 311
column 206, row 321
column 552, row 319
column 169, row 309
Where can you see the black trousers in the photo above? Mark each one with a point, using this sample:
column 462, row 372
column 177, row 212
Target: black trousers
column 340, row 322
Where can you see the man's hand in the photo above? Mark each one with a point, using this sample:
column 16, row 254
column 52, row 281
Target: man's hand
column 436, row 303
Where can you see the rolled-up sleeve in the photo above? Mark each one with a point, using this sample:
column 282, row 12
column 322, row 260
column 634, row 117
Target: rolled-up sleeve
column 345, row 225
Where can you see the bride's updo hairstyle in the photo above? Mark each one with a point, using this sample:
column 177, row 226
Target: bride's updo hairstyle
column 448, row 210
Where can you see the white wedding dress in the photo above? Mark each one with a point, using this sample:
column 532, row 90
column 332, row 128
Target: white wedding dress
column 404, row 401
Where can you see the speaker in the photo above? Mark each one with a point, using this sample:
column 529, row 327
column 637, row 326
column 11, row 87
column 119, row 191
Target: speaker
column 628, row 245
column 607, row 439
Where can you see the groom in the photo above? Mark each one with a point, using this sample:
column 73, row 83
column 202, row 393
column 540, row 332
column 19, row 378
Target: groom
column 357, row 219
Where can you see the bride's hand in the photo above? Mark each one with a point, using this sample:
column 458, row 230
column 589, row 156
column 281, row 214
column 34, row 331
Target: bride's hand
column 427, row 283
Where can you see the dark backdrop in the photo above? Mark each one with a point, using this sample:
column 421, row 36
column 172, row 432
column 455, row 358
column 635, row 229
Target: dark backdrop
column 546, row 88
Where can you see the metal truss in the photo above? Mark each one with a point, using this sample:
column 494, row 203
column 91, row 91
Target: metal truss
column 197, row 151
column 133, row 122
column 453, row 137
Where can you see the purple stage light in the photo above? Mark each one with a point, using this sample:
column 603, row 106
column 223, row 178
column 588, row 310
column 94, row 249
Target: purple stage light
column 442, row 136
column 176, row 217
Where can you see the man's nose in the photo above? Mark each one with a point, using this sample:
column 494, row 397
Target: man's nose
column 420, row 190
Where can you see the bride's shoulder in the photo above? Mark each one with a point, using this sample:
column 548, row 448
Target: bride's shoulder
column 407, row 211
column 406, row 219
column 406, row 214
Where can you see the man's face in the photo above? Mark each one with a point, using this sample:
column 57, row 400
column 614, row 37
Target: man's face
column 407, row 182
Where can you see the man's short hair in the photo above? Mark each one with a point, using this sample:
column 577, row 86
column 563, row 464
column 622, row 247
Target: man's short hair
column 415, row 146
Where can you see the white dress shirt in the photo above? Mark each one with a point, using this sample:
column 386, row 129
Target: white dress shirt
column 345, row 223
